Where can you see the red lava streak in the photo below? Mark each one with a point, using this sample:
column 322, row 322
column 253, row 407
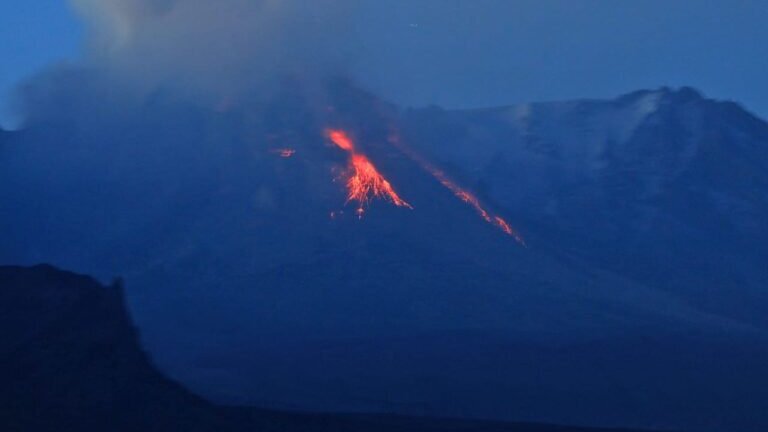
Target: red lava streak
column 460, row 193
column 364, row 182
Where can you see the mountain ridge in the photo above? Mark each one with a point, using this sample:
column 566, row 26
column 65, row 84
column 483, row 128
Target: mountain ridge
column 691, row 168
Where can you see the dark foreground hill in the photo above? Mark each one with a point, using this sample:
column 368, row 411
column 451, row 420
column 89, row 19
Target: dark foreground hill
column 70, row 361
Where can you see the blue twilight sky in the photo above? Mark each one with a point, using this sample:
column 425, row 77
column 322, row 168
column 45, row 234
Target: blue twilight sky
column 487, row 52
column 33, row 34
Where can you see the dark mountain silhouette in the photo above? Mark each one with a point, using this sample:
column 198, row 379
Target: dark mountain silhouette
column 638, row 297
column 70, row 360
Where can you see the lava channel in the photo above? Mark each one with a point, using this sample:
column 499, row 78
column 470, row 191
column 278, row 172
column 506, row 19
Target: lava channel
column 460, row 193
column 364, row 182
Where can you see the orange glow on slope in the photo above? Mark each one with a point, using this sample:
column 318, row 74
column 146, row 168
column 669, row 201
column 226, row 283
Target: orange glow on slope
column 460, row 193
column 365, row 182
column 501, row 223
column 283, row 152
column 341, row 139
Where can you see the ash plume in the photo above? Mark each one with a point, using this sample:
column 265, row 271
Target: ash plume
column 216, row 52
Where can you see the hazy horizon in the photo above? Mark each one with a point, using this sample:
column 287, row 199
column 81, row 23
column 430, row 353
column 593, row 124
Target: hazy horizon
column 461, row 55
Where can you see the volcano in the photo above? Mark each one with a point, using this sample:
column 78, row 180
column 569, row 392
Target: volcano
column 246, row 291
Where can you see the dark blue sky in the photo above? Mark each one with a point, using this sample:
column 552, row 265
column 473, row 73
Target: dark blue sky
column 487, row 52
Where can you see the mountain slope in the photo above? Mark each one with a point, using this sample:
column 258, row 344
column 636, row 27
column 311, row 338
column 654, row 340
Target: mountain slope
column 70, row 360
column 664, row 187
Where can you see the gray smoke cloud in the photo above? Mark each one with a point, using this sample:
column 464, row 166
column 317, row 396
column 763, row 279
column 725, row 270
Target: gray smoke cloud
column 216, row 49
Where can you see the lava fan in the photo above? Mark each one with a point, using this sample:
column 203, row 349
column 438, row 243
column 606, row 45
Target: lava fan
column 364, row 182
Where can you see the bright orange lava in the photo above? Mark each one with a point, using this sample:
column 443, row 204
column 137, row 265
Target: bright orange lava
column 365, row 182
column 341, row 139
column 460, row 193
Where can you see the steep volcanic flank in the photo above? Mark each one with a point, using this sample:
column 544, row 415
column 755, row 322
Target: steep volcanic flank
column 364, row 182
column 238, row 277
column 664, row 186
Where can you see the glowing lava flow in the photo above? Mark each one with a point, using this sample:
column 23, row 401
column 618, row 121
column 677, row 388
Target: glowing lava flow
column 460, row 193
column 341, row 139
column 365, row 182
